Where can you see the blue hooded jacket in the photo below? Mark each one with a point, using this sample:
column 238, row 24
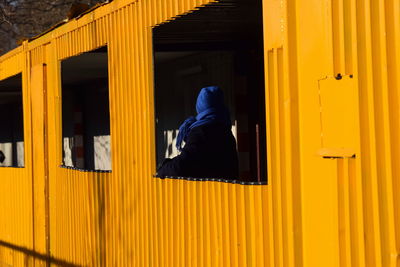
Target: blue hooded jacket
column 210, row 109
column 210, row 148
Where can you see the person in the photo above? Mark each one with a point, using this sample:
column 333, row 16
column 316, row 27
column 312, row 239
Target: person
column 210, row 148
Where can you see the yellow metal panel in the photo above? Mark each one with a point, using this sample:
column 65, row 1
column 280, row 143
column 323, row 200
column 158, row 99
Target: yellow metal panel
column 38, row 81
column 392, row 15
column 314, row 212
column 339, row 113
column 16, row 229
column 274, row 23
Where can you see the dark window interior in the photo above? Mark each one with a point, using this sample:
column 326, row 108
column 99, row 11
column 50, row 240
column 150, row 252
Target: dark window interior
column 220, row 44
column 85, row 111
column 11, row 122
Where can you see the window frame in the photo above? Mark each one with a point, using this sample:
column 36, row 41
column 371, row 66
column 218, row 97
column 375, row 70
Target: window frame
column 263, row 157
column 106, row 46
column 23, row 87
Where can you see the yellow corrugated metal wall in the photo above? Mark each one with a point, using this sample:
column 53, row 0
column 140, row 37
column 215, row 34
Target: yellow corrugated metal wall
column 344, row 210
column 333, row 149
column 16, row 226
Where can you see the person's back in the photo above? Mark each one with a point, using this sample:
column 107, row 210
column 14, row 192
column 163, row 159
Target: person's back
column 210, row 149
column 210, row 152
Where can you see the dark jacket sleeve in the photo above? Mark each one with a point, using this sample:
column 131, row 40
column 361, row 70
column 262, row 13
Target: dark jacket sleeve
column 183, row 164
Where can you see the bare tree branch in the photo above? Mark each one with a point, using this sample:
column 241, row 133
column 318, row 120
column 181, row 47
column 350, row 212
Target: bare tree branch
column 21, row 19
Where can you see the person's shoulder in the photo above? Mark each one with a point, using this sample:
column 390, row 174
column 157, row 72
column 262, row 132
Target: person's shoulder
column 197, row 132
column 204, row 131
column 211, row 126
column 211, row 129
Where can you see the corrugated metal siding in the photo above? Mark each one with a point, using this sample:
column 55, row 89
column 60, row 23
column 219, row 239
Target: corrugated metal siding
column 131, row 218
column 376, row 38
column 77, row 217
column 358, row 38
column 283, row 136
column 314, row 212
column 16, row 183
column 77, row 199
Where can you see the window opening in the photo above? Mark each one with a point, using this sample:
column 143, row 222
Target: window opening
column 86, row 140
column 12, row 122
column 220, row 44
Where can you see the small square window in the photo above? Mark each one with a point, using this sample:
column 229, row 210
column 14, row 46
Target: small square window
column 86, row 142
column 12, row 122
